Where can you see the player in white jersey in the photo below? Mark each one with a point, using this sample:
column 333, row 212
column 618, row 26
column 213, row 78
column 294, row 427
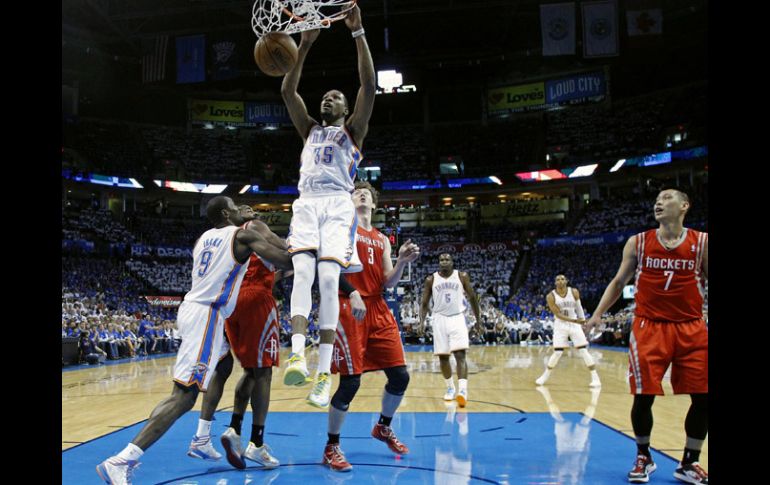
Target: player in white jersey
column 450, row 333
column 220, row 259
column 323, row 224
column 564, row 303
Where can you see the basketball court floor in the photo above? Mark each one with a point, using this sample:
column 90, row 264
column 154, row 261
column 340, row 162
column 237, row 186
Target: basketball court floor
column 511, row 432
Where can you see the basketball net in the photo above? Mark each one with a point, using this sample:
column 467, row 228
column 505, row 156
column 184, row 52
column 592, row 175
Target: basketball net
column 292, row 16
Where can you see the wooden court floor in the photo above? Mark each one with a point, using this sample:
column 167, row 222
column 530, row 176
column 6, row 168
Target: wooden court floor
column 100, row 400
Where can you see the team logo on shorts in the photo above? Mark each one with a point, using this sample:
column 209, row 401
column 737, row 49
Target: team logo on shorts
column 199, row 368
column 337, row 357
column 272, row 348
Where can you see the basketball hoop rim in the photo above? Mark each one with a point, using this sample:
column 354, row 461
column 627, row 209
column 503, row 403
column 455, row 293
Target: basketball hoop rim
column 324, row 21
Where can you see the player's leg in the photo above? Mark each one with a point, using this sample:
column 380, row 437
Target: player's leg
column 328, row 316
column 649, row 355
column 462, row 377
column 578, row 338
column 304, row 263
column 231, row 438
column 348, row 360
column 118, row 468
column 689, row 374
column 441, row 350
column 258, row 451
column 333, row 457
column 458, row 344
column 200, row 446
column 560, row 342
column 398, row 380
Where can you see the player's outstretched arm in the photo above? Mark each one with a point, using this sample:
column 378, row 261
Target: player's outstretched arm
column 303, row 122
column 358, row 123
column 426, row 293
column 615, row 288
column 266, row 233
column 248, row 240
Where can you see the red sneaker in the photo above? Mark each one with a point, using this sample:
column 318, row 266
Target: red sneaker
column 334, row 458
column 643, row 467
column 386, row 435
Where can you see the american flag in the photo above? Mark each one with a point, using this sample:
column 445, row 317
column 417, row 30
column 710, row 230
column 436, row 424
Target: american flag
column 154, row 59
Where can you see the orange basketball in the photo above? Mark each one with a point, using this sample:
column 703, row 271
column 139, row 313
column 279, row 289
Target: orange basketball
column 275, row 53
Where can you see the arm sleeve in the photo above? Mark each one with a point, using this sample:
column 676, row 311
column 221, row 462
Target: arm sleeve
column 579, row 310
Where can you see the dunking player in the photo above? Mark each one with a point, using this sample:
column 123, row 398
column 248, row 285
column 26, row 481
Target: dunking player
column 670, row 265
column 253, row 334
column 324, row 219
column 375, row 343
column 219, row 263
column 564, row 303
column 450, row 334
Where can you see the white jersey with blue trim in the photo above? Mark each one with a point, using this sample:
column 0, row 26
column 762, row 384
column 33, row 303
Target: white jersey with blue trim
column 447, row 294
column 216, row 275
column 567, row 305
column 330, row 160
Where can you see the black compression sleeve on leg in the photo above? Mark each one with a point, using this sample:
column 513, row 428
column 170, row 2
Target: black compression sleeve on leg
column 346, row 392
column 641, row 414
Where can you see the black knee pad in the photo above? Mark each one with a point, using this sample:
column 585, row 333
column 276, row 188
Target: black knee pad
column 346, row 392
column 398, row 380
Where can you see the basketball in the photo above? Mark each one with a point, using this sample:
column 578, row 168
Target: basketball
column 275, row 53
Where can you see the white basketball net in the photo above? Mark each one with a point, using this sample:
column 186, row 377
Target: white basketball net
column 292, row 16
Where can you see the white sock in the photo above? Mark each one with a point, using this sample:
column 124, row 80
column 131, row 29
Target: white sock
column 594, row 375
column 462, row 384
column 450, row 383
column 131, row 452
column 547, row 373
column 298, row 344
column 204, row 428
column 325, row 358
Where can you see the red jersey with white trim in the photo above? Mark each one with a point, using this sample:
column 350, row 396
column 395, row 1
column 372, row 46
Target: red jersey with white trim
column 370, row 246
column 260, row 275
column 669, row 283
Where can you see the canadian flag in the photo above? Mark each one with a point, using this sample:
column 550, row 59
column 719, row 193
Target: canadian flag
column 644, row 22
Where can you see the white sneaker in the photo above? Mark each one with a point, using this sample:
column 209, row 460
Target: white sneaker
column 462, row 397
column 450, row 394
column 116, row 471
column 320, row 395
column 201, row 447
column 296, row 372
column 541, row 380
column 261, row 455
column 231, row 442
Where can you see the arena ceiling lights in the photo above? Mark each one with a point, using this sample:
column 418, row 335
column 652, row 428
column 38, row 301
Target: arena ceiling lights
column 540, row 175
column 191, row 187
column 581, row 171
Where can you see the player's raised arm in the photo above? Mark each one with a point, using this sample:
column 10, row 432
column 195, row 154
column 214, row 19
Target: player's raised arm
column 294, row 103
column 358, row 123
column 406, row 254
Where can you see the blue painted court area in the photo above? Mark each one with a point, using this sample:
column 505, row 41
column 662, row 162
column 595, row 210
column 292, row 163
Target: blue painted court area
column 446, row 448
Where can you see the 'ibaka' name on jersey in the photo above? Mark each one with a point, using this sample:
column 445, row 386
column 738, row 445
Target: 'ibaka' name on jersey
column 371, row 242
column 321, row 136
column 447, row 286
column 209, row 243
column 661, row 263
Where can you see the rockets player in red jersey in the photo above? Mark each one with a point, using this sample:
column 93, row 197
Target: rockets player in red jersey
column 670, row 265
column 373, row 342
column 253, row 334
